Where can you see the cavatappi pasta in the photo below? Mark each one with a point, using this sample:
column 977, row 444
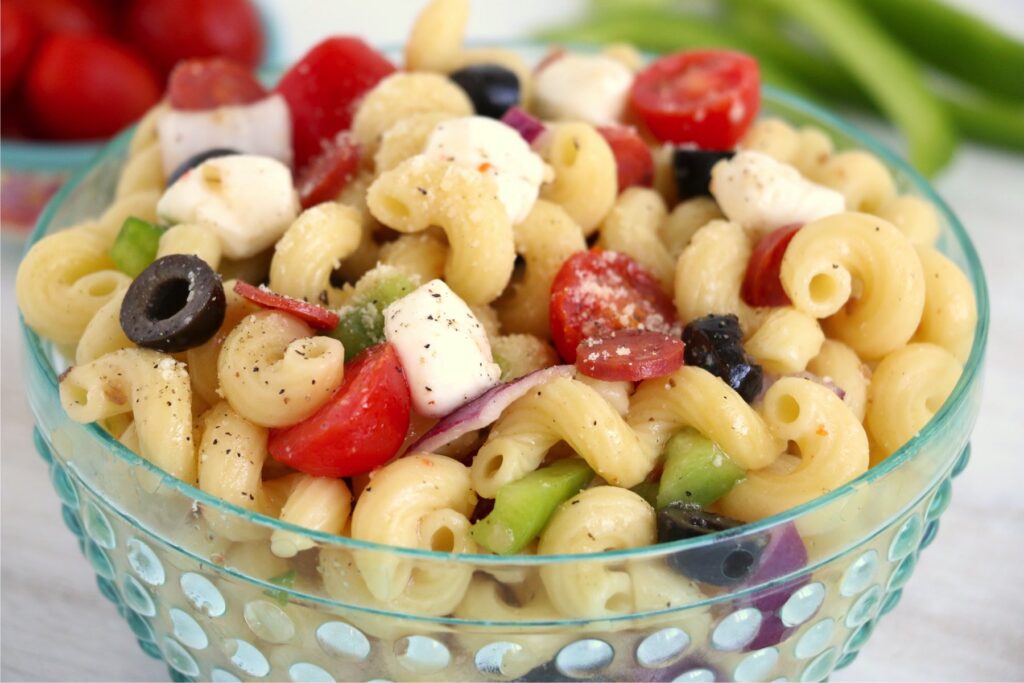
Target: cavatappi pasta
column 457, row 265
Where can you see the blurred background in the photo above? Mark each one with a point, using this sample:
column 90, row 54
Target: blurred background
column 941, row 81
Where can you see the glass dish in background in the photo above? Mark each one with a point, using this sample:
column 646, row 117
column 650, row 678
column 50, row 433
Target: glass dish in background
column 31, row 171
column 221, row 610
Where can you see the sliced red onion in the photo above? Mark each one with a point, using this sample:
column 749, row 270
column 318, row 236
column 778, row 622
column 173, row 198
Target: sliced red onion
column 527, row 126
column 485, row 409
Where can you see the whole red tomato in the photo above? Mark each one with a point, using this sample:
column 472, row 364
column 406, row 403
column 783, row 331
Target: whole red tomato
column 18, row 34
column 168, row 30
column 69, row 16
column 82, row 87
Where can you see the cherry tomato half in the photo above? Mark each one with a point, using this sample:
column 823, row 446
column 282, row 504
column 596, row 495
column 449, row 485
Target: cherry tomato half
column 360, row 428
column 329, row 172
column 167, row 31
column 82, row 87
column 761, row 283
column 322, row 89
column 18, row 34
column 633, row 159
column 705, row 97
column 597, row 292
column 629, row 355
column 315, row 316
column 211, row 82
column 69, row 16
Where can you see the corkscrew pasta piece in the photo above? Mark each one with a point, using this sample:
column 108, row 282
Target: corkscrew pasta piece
column 786, row 341
column 154, row 388
column 232, row 451
column 521, row 354
column 63, row 280
column 365, row 256
column 915, row 217
column 631, row 228
column 435, row 40
column 420, row 193
column 709, row 274
column 406, row 138
column 202, row 359
column 862, row 275
column 807, row 149
column 311, row 249
column 141, row 204
column 693, row 397
column 907, row 388
column 585, row 182
column 616, row 393
column 189, row 238
column 422, row 254
column 274, row 373
column 317, row 503
column 561, row 410
column 143, row 171
column 838, row 363
column 604, row 518
column 146, row 129
column 545, row 240
column 833, row 450
column 420, row 501
column 103, row 332
column 684, row 221
column 401, row 95
column 860, row 177
column 950, row 312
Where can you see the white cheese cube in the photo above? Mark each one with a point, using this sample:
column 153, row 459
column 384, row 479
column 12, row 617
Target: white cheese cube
column 263, row 128
column 762, row 194
column 247, row 201
column 590, row 88
column 443, row 348
column 496, row 150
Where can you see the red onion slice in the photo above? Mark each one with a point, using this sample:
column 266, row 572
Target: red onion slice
column 526, row 125
column 485, row 409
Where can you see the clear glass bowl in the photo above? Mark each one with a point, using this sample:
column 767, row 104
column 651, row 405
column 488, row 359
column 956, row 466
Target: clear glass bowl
column 216, row 609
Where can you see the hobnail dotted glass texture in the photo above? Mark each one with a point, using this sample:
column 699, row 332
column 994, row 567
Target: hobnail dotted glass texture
column 212, row 609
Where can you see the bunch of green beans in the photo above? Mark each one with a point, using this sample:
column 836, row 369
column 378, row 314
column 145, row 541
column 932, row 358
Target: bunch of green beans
column 936, row 72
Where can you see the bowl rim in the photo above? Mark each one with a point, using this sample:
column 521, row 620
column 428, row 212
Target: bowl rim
column 930, row 432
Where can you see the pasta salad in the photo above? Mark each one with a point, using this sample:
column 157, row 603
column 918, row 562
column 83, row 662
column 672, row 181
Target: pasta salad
column 481, row 306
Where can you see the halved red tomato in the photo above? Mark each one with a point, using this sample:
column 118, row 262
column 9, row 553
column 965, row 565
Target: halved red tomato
column 360, row 428
column 597, row 292
column 315, row 316
column 211, row 82
column 329, row 172
column 761, row 283
column 704, row 97
column 633, row 159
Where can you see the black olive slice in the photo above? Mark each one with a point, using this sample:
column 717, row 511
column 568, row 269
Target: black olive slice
column 692, row 170
column 493, row 89
column 724, row 563
column 197, row 159
column 715, row 343
column 176, row 303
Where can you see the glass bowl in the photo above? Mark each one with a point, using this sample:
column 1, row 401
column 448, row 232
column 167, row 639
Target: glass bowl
column 220, row 609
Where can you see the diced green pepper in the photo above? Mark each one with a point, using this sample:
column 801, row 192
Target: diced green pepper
column 135, row 246
column 522, row 508
column 286, row 580
column 362, row 319
column 696, row 470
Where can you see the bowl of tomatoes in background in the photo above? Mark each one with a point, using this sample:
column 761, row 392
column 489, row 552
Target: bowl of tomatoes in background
column 76, row 72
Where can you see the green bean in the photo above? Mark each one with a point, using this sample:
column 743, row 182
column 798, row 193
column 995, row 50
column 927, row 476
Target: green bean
column 956, row 42
column 886, row 72
column 986, row 120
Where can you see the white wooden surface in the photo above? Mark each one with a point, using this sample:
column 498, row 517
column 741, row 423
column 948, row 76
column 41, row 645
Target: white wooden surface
column 962, row 615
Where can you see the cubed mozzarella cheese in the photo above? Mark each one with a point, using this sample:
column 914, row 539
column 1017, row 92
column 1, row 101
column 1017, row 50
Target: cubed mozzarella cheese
column 247, row 201
column 496, row 150
column 263, row 128
column 443, row 348
column 762, row 194
column 590, row 88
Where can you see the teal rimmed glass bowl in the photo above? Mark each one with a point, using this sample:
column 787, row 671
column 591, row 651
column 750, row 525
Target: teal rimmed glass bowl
column 222, row 610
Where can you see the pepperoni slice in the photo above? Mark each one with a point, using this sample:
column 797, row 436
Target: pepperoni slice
column 633, row 159
column 761, row 283
column 329, row 172
column 211, row 82
column 629, row 355
column 596, row 292
column 315, row 316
